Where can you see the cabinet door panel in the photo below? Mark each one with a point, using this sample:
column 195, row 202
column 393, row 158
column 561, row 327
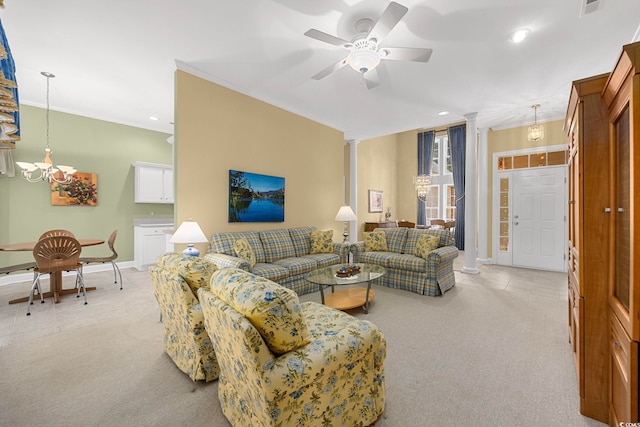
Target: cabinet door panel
column 624, row 374
column 150, row 184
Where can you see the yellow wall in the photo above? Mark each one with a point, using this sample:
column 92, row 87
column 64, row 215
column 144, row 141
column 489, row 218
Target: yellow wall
column 218, row 129
column 377, row 170
column 407, row 164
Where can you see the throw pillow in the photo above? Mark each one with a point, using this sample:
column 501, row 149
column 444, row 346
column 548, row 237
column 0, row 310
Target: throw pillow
column 244, row 251
column 196, row 272
column 272, row 309
column 425, row 245
column 375, row 241
column 321, row 242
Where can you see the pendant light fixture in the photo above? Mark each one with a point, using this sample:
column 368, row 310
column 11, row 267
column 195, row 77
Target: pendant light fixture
column 535, row 132
column 45, row 171
column 422, row 184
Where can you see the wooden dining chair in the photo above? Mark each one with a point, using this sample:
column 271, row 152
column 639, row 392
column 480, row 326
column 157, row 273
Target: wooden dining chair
column 53, row 255
column 58, row 232
column 110, row 258
column 437, row 223
column 450, row 225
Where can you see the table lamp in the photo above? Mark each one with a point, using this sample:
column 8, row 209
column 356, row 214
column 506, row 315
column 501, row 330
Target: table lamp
column 189, row 232
column 345, row 214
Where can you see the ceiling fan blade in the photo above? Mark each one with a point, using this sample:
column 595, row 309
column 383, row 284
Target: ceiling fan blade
column 371, row 78
column 327, row 38
column 330, row 69
column 389, row 19
column 406, row 54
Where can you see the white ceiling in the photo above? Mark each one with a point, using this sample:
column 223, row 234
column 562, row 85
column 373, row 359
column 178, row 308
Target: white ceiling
column 115, row 60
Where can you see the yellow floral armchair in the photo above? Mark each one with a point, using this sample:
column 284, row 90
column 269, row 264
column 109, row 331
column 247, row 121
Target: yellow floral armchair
column 286, row 363
column 176, row 279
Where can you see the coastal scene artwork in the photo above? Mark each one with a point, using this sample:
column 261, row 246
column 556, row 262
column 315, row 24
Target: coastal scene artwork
column 255, row 198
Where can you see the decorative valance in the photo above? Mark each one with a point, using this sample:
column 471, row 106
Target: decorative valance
column 9, row 111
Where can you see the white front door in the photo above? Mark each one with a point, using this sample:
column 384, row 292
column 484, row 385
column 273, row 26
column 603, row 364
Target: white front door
column 538, row 220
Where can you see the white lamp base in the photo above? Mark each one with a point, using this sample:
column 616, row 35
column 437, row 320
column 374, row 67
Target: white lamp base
column 191, row 251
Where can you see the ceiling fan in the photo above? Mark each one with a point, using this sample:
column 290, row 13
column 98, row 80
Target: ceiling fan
column 365, row 50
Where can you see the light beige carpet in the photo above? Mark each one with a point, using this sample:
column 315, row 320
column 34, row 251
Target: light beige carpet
column 493, row 351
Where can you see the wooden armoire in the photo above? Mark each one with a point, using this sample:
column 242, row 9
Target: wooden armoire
column 603, row 128
column 587, row 128
column 622, row 97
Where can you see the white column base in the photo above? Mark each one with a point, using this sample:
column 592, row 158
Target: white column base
column 483, row 260
column 467, row 270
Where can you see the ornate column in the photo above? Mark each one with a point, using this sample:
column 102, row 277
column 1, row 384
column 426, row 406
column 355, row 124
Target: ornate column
column 353, row 186
column 483, row 197
column 470, row 196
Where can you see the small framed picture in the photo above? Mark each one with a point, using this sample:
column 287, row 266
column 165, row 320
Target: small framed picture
column 375, row 201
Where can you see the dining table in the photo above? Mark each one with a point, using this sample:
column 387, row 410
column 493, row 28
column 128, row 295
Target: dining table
column 55, row 281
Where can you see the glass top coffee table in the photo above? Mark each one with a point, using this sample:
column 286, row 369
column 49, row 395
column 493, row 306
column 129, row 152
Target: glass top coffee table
column 351, row 297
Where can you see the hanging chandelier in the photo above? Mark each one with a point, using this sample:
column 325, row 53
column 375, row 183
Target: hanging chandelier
column 422, row 183
column 44, row 170
column 535, row 132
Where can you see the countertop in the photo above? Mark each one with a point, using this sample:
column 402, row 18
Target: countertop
column 153, row 222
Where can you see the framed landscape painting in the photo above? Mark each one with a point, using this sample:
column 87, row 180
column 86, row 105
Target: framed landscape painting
column 375, row 201
column 255, row 198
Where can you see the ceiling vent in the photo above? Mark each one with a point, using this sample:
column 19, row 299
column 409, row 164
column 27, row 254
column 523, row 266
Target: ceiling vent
column 590, row 6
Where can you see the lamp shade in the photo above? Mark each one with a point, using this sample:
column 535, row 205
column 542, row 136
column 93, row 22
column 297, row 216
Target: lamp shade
column 346, row 214
column 188, row 232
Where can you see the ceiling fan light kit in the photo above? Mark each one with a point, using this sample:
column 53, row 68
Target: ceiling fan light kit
column 365, row 52
column 363, row 60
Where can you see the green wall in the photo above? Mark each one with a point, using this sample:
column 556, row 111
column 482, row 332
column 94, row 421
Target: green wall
column 105, row 148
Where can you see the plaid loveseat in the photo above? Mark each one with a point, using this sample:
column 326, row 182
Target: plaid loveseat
column 282, row 256
column 431, row 276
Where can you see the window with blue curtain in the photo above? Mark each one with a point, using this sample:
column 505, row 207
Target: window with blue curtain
column 425, row 150
column 458, row 150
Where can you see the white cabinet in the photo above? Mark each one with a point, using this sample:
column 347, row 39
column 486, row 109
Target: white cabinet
column 149, row 242
column 154, row 183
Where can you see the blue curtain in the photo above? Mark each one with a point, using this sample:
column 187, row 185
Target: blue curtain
column 8, row 79
column 425, row 153
column 458, row 150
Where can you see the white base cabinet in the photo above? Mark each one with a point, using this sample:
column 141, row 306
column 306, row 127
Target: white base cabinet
column 149, row 242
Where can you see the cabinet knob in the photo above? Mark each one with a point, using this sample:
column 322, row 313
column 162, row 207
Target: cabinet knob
column 617, row 344
column 620, row 210
column 607, row 210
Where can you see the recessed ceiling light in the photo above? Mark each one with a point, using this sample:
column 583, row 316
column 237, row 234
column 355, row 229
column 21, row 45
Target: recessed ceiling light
column 519, row 35
column 443, row 113
column 154, row 118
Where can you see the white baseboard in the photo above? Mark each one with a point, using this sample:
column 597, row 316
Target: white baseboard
column 8, row 279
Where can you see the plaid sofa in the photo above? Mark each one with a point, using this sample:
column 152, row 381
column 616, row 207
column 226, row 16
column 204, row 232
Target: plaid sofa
column 282, row 256
column 431, row 276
